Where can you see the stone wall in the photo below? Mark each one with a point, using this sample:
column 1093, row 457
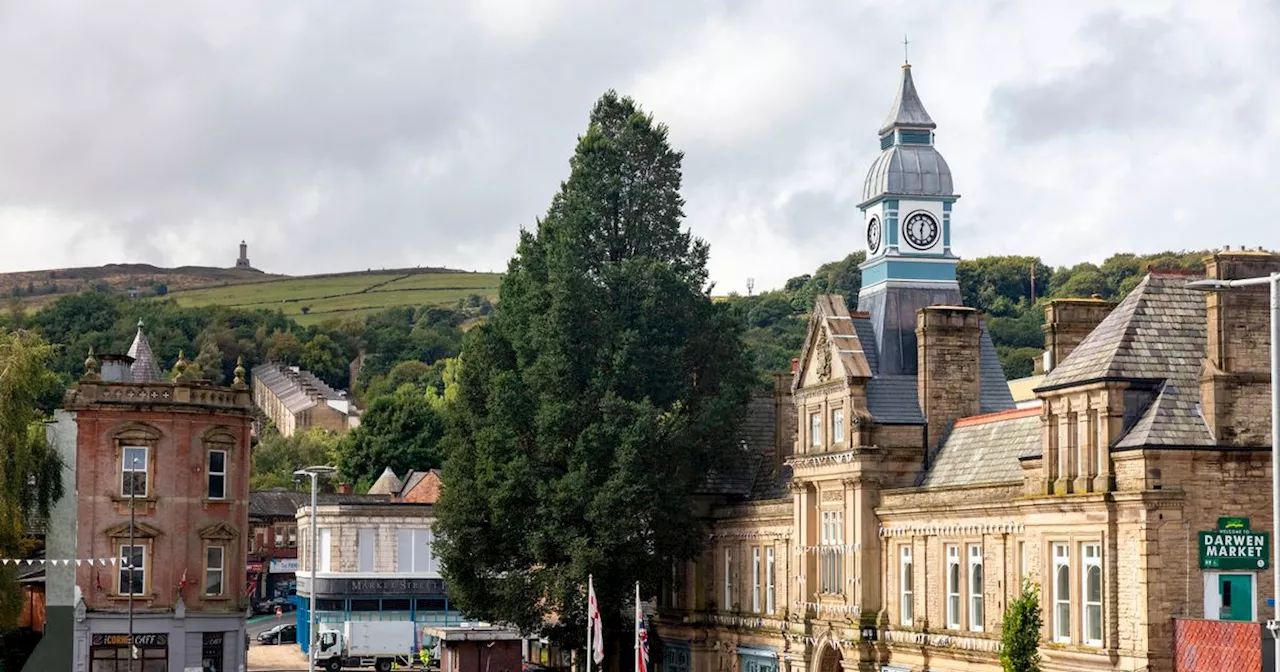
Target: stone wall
column 1235, row 385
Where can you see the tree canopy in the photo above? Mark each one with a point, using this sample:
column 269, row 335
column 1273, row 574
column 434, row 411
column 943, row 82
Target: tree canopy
column 401, row 430
column 30, row 471
column 591, row 405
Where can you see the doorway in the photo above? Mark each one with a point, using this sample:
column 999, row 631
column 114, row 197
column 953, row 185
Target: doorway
column 1229, row 596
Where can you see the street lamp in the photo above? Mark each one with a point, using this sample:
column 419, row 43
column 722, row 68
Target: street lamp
column 314, row 472
column 1273, row 281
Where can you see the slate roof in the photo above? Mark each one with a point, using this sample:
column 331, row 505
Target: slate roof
column 996, row 395
column 985, row 449
column 907, row 110
column 144, row 369
column 278, row 503
column 1158, row 334
column 297, row 389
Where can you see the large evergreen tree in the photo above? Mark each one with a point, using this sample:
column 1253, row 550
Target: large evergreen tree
column 593, row 404
column 30, row 471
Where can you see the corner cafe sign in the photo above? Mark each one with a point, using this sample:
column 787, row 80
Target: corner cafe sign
column 1234, row 546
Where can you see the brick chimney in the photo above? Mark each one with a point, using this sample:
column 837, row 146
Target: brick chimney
column 949, row 380
column 1235, row 379
column 1067, row 322
column 344, row 488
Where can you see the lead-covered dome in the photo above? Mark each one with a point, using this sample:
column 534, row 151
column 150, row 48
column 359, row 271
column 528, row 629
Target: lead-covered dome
column 909, row 164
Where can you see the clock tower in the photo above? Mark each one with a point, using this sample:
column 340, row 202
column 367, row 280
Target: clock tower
column 906, row 211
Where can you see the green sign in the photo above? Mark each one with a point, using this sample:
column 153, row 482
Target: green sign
column 1234, row 546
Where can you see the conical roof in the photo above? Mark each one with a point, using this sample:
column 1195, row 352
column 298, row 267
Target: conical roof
column 907, row 110
column 144, row 368
column 387, row 483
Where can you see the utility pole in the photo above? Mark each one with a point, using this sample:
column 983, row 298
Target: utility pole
column 312, row 621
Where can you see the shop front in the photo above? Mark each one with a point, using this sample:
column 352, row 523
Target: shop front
column 676, row 657
column 281, row 573
column 109, row 652
column 757, row 660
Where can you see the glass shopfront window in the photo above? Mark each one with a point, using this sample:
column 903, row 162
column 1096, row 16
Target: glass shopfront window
column 110, row 653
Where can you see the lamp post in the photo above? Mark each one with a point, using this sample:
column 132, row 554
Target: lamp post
column 314, row 472
column 133, row 498
column 1273, row 281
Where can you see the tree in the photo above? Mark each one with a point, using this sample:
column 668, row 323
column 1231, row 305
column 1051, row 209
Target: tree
column 400, row 430
column 595, row 400
column 1020, row 636
column 30, row 471
column 277, row 457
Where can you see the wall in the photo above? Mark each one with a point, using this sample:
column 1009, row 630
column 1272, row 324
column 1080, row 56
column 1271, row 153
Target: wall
column 178, row 509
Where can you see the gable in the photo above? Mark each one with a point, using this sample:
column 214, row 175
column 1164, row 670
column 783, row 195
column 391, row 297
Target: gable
column 219, row 530
column 832, row 349
column 140, row 531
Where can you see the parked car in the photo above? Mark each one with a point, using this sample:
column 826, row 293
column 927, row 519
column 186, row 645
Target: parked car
column 269, row 606
column 281, row 634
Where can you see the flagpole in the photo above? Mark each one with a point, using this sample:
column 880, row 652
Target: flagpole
column 590, row 590
column 637, row 656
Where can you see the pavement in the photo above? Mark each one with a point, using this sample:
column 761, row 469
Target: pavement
column 273, row 657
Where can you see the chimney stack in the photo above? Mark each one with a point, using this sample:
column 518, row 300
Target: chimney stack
column 1069, row 321
column 1235, row 379
column 949, row 381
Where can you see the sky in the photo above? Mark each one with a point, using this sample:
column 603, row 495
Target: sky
column 334, row 135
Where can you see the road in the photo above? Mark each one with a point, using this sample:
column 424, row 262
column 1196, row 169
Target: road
column 259, row 624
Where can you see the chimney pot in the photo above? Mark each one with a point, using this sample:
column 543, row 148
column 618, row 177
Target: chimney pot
column 795, row 364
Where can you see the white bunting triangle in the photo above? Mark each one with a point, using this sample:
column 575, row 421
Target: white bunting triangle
column 78, row 561
column 113, row 562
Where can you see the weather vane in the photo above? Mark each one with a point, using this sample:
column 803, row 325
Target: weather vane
column 906, row 54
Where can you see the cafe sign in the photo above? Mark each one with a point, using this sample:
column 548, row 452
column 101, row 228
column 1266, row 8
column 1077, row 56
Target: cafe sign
column 1234, row 546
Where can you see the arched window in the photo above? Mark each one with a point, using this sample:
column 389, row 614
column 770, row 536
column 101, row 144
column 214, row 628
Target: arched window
column 1061, row 593
column 975, row 588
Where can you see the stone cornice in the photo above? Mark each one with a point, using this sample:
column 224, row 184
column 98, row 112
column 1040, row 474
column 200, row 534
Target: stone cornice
column 823, row 459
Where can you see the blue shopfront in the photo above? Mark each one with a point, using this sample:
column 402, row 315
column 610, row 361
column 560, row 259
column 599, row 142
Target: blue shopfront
column 422, row 601
column 757, row 660
column 676, row 657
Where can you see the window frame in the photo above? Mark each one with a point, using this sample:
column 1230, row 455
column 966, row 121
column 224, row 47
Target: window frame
column 145, row 471
column 815, row 429
column 324, row 554
column 1087, row 563
column 837, row 426
column 728, row 579
column 771, row 588
column 419, row 537
column 1061, row 567
column 954, row 603
column 366, row 548
column 906, row 585
column 209, row 570
column 120, row 573
column 210, row 473
column 755, row 579
column 977, row 611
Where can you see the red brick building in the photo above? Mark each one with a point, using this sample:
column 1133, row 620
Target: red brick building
column 177, row 453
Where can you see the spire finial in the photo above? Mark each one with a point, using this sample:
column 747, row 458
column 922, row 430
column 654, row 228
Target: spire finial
column 139, row 322
column 239, row 379
column 90, row 365
column 906, row 53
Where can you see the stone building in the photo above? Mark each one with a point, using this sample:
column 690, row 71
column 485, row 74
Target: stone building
column 296, row 400
column 242, row 262
column 174, row 457
column 374, row 562
column 912, row 496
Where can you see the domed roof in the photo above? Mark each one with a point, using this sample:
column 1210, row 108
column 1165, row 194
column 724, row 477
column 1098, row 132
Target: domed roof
column 908, row 170
column 909, row 165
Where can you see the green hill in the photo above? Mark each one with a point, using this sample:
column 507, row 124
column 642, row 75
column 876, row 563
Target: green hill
column 315, row 298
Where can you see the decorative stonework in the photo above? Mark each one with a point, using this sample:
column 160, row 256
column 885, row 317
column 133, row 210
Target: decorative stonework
column 945, row 530
column 807, row 461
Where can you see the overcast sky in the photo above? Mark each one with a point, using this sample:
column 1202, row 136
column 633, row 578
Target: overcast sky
column 340, row 135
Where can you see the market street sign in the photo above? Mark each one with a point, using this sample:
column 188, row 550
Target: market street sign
column 1234, row 546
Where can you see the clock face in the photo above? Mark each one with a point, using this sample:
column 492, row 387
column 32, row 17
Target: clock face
column 921, row 230
column 873, row 235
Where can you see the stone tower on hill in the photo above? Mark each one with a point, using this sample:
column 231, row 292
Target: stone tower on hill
column 243, row 261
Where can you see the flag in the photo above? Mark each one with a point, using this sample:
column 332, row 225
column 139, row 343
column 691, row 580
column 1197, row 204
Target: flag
column 597, row 629
column 642, row 637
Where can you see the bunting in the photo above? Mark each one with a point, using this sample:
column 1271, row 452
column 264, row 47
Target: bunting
column 57, row 562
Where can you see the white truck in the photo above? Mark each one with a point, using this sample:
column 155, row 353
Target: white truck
column 376, row 644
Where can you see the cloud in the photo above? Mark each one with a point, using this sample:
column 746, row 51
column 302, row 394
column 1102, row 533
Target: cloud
column 337, row 135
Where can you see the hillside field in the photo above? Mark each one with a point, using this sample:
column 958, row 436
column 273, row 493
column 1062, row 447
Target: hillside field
column 313, row 299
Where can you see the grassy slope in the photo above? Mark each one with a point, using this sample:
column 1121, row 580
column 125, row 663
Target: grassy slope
column 346, row 294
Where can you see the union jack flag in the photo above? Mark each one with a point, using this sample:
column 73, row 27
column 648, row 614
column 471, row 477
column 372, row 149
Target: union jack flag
column 642, row 637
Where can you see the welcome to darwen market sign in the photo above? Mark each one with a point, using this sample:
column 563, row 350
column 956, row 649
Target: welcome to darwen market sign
column 1234, row 546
